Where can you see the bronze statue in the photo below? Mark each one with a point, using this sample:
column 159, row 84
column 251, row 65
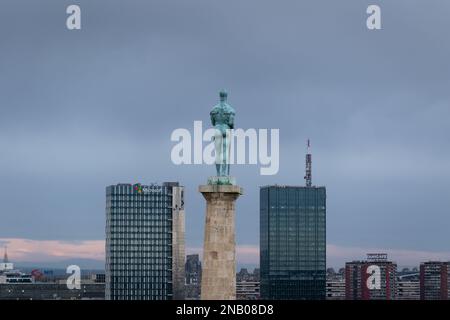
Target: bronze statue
column 222, row 118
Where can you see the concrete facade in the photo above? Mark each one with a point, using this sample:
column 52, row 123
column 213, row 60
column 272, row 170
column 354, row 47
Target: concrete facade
column 178, row 243
column 219, row 261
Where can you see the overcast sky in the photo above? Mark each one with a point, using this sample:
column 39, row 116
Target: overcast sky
column 80, row 110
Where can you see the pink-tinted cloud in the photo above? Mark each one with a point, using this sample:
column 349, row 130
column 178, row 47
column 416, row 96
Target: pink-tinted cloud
column 54, row 250
column 338, row 255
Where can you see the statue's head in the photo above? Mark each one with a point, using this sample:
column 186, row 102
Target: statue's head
column 223, row 96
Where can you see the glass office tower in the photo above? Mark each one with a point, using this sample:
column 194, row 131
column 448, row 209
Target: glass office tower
column 293, row 242
column 145, row 242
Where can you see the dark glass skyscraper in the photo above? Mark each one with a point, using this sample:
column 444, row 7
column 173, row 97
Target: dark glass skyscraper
column 145, row 242
column 293, row 242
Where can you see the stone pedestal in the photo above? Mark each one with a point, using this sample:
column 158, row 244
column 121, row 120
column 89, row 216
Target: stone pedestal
column 219, row 262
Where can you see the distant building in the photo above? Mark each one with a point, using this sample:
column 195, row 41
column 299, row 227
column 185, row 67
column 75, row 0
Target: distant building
column 17, row 285
column 247, row 290
column 9, row 275
column 51, row 291
column 6, row 265
column 357, row 274
column 408, row 289
column 98, row 277
column 408, row 285
column 145, row 242
column 247, row 284
column 245, row 275
column 193, row 270
column 335, row 289
column 335, row 285
column 434, row 280
column 15, row 276
column 192, row 291
column 257, row 274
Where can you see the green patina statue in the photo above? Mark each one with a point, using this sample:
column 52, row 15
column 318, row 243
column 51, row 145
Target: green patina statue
column 222, row 118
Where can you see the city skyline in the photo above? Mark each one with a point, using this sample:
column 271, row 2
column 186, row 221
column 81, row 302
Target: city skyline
column 80, row 111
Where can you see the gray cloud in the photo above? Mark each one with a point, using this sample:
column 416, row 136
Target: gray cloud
column 81, row 110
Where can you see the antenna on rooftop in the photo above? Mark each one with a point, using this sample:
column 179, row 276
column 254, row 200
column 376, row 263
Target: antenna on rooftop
column 308, row 170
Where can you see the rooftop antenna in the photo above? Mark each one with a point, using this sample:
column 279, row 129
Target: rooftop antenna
column 308, row 172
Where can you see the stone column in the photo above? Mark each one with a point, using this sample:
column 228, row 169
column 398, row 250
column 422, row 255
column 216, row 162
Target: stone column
column 219, row 262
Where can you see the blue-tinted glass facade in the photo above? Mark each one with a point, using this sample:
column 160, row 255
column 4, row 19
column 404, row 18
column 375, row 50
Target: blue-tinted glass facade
column 293, row 242
column 139, row 238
